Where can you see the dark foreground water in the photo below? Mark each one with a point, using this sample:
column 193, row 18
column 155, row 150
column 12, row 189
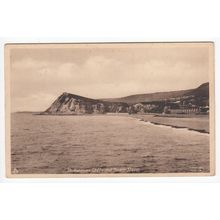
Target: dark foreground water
column 103, row 144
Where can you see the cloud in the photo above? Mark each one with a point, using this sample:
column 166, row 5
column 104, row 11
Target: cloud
column 39, row 82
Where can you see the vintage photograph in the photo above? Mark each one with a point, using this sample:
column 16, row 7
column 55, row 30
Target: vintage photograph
column 118, row 109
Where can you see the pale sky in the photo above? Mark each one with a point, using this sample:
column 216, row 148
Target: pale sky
column 40, row 74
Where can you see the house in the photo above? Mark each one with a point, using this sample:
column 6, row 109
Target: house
column 185, row 110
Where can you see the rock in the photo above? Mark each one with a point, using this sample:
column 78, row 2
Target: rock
column 70, row 104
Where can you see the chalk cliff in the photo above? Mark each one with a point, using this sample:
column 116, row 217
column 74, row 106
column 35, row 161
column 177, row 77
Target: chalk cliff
column 73, row 104
column 70, row 104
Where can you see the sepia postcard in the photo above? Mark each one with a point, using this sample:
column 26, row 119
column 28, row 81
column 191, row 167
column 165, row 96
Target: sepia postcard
column 110, row 109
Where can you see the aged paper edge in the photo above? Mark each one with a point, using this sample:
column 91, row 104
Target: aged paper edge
column 10, row 46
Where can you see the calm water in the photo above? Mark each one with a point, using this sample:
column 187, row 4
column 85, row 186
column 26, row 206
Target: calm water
column 103, row 144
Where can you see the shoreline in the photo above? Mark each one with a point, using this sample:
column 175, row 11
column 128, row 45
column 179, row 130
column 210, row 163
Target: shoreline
column 178, row 127
column 198, row 124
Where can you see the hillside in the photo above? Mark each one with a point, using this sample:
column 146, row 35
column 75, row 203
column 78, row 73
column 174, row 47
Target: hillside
column 202, row 90
column 142, row 103
column 158, row 96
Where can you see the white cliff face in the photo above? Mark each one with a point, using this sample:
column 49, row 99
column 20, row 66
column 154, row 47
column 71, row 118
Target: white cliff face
column 72, row 104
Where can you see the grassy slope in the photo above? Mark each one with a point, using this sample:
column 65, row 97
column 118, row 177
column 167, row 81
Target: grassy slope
column 202, row 90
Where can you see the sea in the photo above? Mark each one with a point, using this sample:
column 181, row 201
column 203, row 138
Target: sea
column 49, row 144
